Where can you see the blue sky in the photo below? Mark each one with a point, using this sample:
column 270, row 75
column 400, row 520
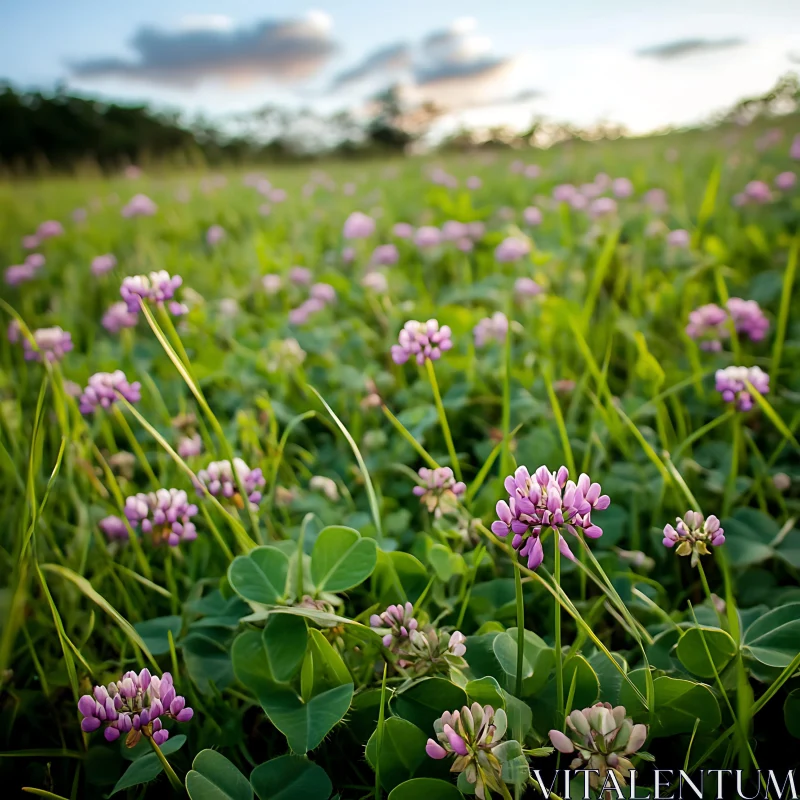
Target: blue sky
column 580, row 57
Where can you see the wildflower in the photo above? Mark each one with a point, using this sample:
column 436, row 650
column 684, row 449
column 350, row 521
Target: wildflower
column 693, row 534
column 157, row 287
column 453, row 230
column 564, row 192
column 757, row 191
column 527, row 287
column 731, row 383
column 794, row 150
column 656, row 200
column 402, row 230
column 547, row 500
column 579, row 202
column 708, row 323
column 19, row 273
column 385, row 255
column 140, row 205
column 423, row 340
column 473, row 182
column 215, row 234
column 358, row 226
column 785, row 181
column 134, row 705
column 300, row 315
column 113, row 527
column 399, row 619
column 494, row 327
column 35, row 260
column 439, row 491
column 105, row 388
column 277, row 195
column 323, row 292
column 328, row 487
column 532, row 216
column 602, row 738
column 122, row 463
column 30, row 242
column 272, row 283
column 376, row 282
column 103, row 264
column 471, row 735
column 476, row 230
column 603, row 207
column 189, row 446
column 53, row 343
column 118, row 317
column 512, row 249
column 285, row 355
column 748, row 318
column 49, row 229
column 622, row 188
column 427, row 236
column 165, row 514
column 678, row 238
column 348, row 255
column 532, row 171
column 300, row 276
column 218, row 479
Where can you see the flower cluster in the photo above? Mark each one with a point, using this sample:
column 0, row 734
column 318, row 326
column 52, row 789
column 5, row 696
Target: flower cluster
column 693, row 534
column 284, row 355
column 218, row 479
column 358, row 226
column 731, row 383
column 113, row 527
column 165, row 514
column 547, row 500
column 140, row 205
column 491, row 328
column 471, row 735
column 385, row 255
column 708, row 323
column 512, row 249
column 135, row 705
column 27, row 271
column 105, row 388
column 527, row 287
column 189, row 446
column 748, row 318
column 439, row 491
column 419, row 651
column 321, row 295
column 52, row 343
column 157, row 287
column 602, row 739
column 215, row 234
column 103, row 264
column 423, row 340
column 118, row 317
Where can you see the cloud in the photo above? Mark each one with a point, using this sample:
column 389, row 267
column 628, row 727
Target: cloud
column 212, row 47
column 383, row 62
column 681, row 48
column 452, row 67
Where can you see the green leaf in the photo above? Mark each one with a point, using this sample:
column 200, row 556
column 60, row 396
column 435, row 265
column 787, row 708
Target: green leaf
column 208, row 661
column 486, row 691
column 774, row 638
column 213, row 777
column 398, row 577
column 148, row 767
column 285, row 640
column 748, row 537
column 587, row 684
column 692, row 653
column 445, row 562
column 505, row 651
column 250, row 663
column 305, row 725
column 425, row 701
column 341, row 559
column 260, row 576
column 520, row 716
column 291, row 777
column 515, row 766
column 791, row 713
column 427, row 788
column 327, row 669
column 154, row 633
column 402, row 751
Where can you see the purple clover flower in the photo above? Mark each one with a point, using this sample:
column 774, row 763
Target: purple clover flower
column 118, row 317
column 358, row 226
column 656, row 200
column 134, row 705
column 113, row 527
column 300, row 276
column 385, row 255
column 532, row 216
column 757, row 192
column 214, row 235
column 748, row 318
column 427, row 236
column 157, row 287
column 602, row 207
column 794, row 150
column 53, row 343
column 103, row 264
column 104, row 390
column 399, row 619
column 189, row 446
column 512, row 249
column 19, row 273
column 785, row 181
column 323, row 292
column 439, row 491
column 693, row 534
column 679, row 238
column 547, row 500
column 375, row 282
column 708, row 324
column 218, row 479
column 527, row 287
column 403, row 230
column 140, row 205
column 452, row 231
column 49, row 229
column 622, row 188
column 473, row 182
column 564, row 192
column 731, row 384
column 165, row 514
column 423, row 340
column 491, row 328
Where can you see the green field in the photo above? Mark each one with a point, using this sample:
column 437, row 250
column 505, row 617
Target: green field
column 293, row 680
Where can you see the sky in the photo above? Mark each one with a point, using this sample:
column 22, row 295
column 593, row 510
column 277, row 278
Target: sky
column 639, row 63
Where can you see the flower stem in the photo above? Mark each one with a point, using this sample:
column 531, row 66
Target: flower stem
column 174, row 780
column 443, row 419
column 520, row 626
column 557, row 622
column 136, row 447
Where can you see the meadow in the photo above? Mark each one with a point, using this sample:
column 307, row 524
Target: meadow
column 263, row 534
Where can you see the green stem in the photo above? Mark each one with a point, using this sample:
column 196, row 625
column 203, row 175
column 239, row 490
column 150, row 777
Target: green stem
column 505, row 458
column 520, row 626
column 557, row 622
column 730, row 485
column 443, row 419
column 136, row 447
column 174, row 780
